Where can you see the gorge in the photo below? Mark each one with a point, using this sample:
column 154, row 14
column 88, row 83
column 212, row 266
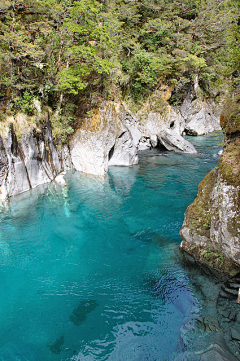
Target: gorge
column 91, row 270
column 111, row 113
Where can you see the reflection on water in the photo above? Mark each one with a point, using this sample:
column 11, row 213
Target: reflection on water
column 92, row 271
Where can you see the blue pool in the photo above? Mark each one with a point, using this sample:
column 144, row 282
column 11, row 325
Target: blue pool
column 92, row 270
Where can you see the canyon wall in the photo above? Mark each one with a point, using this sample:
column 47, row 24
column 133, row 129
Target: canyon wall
column 112, row 135
column 211, row 228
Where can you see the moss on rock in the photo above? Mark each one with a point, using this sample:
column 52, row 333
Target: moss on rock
column 211, row 229
column 198, row 214
column 229, row 164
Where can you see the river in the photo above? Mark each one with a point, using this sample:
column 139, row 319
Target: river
column 92, row 270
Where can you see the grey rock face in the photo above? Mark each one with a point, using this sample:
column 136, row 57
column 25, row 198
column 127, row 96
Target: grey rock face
column 102, row 141
column 223, row 235
column 51, row 154
column 155, row 123
column 16, row 180
column 131, row 122
column 171, row 140
column 123, row 153
column 199, row 116
column 40, row 157
column 30, row 162
column 65, row 157
column 3, row 162
column 35, row 160
column 112, row 136
column 224, row 212
column 91, row 144
column 145, row 143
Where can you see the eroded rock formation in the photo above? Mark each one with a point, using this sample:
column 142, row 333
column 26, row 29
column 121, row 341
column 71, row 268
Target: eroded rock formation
column 30, row 161
column 112, row 135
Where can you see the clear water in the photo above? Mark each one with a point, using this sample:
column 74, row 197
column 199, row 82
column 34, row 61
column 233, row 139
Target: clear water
column 92, row 271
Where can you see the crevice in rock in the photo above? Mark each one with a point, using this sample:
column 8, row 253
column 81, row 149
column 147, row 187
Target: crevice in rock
column 15, row 150
column 110, row 154
column 121, row 135
column 160, row 146
column 190, row 132
column 28, row 178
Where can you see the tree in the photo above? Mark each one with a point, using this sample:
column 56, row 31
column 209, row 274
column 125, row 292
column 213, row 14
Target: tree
column 89, row 51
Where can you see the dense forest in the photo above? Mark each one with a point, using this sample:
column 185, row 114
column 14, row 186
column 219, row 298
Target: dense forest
column 69, row 53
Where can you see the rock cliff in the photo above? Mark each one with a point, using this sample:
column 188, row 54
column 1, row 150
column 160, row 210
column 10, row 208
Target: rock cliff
column 29, row 161
column 211, row 228
column 111, row 135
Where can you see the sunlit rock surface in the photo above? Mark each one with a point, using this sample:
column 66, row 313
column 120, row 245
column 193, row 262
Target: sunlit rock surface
column 171, row 140
column 29, row 160
column 101, row 139
column 200, row 117
column 111, row 136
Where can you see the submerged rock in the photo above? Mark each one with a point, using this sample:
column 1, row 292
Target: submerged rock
column 56, row 347
column 235, row 333
column 216, row 351
column 80, row 313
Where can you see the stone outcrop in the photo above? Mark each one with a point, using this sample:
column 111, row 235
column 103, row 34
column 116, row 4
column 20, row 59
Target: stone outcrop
column 103, row 140
column 111, row 136
column 211, row 229
column 16, row 178
column 171, row 140
column 30, row 161
column 200, row 117
column 217, row 351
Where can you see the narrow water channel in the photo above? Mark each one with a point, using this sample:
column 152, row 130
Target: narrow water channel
column 92, row 271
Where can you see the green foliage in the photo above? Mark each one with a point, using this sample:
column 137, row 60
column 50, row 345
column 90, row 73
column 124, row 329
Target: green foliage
column 24, row 104
column 208, row 256
column 88, row 53
column 59, row 50
column 207, row 224
column 62, row 121
column 143, row 73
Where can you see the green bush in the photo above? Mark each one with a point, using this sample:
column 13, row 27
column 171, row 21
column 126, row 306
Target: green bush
column 24, row 104
column 62, row 122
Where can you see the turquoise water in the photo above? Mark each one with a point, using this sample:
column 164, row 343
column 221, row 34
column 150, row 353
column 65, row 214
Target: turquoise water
column 92, row 271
